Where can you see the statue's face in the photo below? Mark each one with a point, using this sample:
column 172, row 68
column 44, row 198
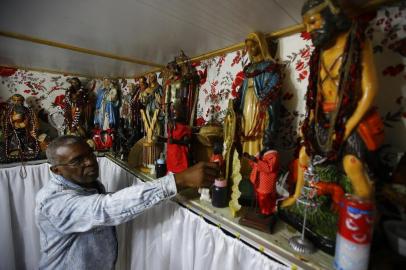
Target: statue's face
column 142, row 83
column 106, row 83
column 17, row 100
column 131, row 88
column 152, row 78
column 75, row 84
column 177, row 114
column 319, row 30
column 252, row 48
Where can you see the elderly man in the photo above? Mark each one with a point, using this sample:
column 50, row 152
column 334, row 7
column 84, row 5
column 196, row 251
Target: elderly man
column 76, row 217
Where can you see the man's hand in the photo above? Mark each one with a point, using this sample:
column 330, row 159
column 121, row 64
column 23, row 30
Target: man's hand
column 200, row 175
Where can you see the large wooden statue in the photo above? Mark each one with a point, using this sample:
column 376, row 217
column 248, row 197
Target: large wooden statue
column 340, row 123
column 20, row 131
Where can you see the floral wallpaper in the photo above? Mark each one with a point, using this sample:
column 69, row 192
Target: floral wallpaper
column 220, row 78
column 44, row 90
column 40, row 89
column 388, row 34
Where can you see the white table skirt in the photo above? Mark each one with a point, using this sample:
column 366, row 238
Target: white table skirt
column 167, row 236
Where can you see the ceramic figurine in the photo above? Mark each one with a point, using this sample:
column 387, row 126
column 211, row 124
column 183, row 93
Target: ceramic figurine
column 157, row 103
column 107, row 105
column 264, row 175
column 179, row 137
column 259, row 96
column 257, row 107
column 125, row 110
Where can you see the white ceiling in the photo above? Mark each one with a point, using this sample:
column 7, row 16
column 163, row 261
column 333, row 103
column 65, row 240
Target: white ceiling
column 149, row 30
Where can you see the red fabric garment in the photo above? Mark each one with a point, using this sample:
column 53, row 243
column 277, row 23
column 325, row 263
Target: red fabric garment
column 266, row 202
column 177, row 155
column 263, row 176
column 98, row 139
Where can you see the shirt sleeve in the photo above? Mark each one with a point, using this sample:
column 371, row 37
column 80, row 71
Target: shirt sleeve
column 71, row 212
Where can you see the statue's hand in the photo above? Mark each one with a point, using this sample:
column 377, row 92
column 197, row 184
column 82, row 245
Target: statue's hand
column 248, row 156
column 33, row 134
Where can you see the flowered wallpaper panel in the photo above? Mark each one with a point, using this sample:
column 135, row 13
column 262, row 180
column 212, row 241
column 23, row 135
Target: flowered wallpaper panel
column 220, row 77
column 44, row 90
column 388, row 34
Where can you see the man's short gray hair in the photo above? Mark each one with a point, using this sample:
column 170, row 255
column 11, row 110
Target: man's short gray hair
column 58, row 142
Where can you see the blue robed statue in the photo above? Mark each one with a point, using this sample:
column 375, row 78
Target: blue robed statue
column 259, row 99
column 107, row 106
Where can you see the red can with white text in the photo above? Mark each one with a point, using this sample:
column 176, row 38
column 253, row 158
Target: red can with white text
column 354, row 234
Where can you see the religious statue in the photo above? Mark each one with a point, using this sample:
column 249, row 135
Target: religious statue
column 259, row 97
column 20, row 131
column 340, row 123
column 179, row 138
column 125, row 110
column 129, row 130
column 180, row 80
column 136, row 124
column 233, row 164
column 77, row 109
column 107, row 105
column 147, row 97
column 173, row 87
column 102, row 139
column 124, row 140
column 264, row 175
column 157, row 102
column 258, row 108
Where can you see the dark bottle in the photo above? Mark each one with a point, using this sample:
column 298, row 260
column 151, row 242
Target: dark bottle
column 160, row 168
column 219, row 193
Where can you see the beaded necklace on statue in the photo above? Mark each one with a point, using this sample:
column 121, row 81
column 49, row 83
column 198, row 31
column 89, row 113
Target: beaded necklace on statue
column 71, row 118
column 22, row 155
column 346, row 99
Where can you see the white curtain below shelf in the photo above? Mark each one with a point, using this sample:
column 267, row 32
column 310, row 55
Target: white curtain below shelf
column 167, row 236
